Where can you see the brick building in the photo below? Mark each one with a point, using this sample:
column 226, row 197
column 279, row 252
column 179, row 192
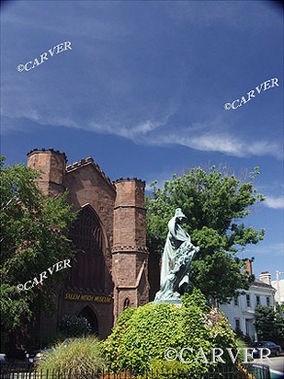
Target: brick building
column 111, row 229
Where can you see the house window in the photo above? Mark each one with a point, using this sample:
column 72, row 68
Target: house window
column 248, row 300
column 236, row 300
column 268, row 301
column 257, row 300
column 238, row 326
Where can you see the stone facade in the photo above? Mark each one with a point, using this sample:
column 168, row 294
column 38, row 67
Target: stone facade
column 129, row 252
column 111, row 229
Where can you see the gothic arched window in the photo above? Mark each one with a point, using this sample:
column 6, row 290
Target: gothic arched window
column 126, row 303
column 88, row 271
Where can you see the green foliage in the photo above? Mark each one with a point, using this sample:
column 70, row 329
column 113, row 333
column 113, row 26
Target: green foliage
column 30, row 243
column 157, row 367
column 269, row 325
column 83, row 355
column 280, row 308
column 213, row 203
column 74, row 326
column 125, row 316
column 139, row 340
column 242, row 345
column 244, row 337
column 195, row 298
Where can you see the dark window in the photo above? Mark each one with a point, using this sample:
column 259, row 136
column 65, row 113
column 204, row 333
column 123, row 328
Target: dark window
column 257, row 300
column 248, row 300
column 236, row 300
column 238, row 324
column 268, row 300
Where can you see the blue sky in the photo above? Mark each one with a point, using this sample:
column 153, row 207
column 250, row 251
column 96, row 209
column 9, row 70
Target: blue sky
column 143, row 91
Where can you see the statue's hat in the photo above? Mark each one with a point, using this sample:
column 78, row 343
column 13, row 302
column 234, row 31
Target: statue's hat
column 179, row 213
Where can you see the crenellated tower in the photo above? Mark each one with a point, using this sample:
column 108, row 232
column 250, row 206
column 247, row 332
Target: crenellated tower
column 52, row 164
column 129, row 251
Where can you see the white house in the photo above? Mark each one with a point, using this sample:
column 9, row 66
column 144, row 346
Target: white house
column 240, row 312
column 279, row 286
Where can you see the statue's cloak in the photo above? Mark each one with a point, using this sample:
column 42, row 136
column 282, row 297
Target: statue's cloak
column 176, row 236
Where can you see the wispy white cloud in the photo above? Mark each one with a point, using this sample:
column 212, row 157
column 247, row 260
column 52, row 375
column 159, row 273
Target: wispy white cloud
column 224, row 143
column 274, row 202
column 214, row 135
column 157, row 132
column 271, row 249
column 135, row 132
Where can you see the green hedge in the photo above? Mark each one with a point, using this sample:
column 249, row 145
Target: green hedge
column 142, row 335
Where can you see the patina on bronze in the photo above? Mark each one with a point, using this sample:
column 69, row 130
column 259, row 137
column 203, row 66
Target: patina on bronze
column 176, row 260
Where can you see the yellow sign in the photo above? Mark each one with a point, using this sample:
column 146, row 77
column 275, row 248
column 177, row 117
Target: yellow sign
column 95, row 299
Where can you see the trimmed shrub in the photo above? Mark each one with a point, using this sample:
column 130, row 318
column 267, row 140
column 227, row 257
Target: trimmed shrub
column 142, row 336
column 82, row 355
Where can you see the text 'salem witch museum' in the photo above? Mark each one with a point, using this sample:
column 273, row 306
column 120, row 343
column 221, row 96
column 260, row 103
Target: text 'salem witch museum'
column 110, row 229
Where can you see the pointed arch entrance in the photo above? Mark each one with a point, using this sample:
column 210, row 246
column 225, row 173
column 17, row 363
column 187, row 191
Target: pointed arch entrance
column 90, row 315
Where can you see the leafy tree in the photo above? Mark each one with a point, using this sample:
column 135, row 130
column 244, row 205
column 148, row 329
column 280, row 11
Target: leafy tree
column 280, row 308
column 269, row 325
column 213, row 202
column 34, row 228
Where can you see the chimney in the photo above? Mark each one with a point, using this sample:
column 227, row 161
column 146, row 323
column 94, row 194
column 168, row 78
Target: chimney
column 248, row 269
column 265, row 277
